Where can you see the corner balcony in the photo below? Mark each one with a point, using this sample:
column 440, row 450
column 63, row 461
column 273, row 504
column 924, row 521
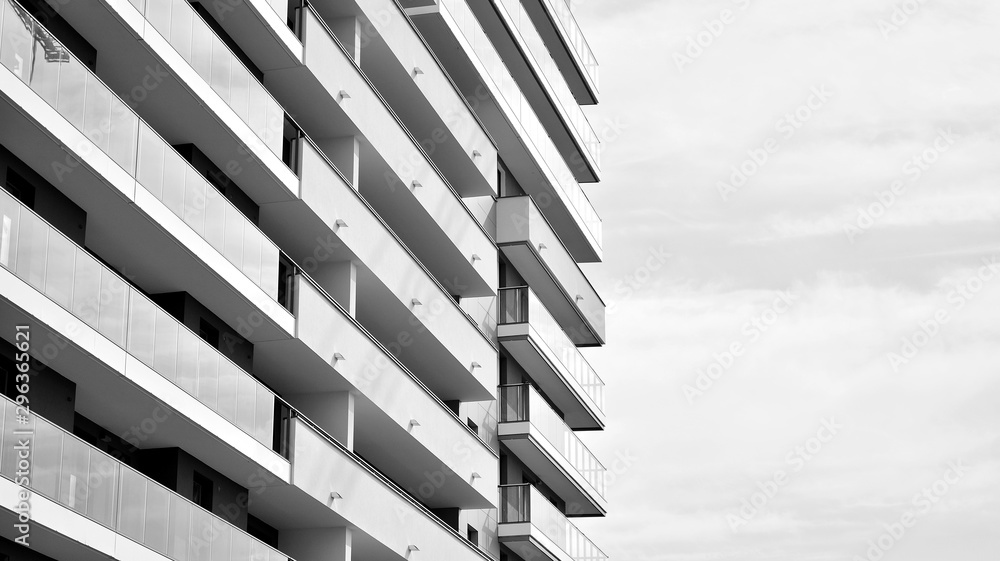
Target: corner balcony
column 529, row 333
column 524, row 52
column 529, row 242
column 85, row 496
column 564, row 38
column 539, row 437
column 534, row 528
column 525, row 147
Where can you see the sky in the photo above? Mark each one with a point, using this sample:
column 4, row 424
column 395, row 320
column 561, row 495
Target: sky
column 802, row 272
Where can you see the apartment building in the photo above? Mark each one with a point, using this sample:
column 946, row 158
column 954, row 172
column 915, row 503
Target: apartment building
column 297, row 279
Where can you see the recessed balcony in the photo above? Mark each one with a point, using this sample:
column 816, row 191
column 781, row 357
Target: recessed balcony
column 534, row 528
column 529, row 333
column 542, row 440
column 530, row 244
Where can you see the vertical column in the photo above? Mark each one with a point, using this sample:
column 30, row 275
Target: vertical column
column 333, row 411
column 340, row 280
column 348, row 32
column 344, row 152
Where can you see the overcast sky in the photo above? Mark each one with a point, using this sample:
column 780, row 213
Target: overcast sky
column 864, row 221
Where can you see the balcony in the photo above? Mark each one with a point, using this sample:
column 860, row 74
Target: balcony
column 535, row 529
column 525, row 147
column 539, row 437
column 143, row 352
column 529, row 333
column 126, row 177
column 564, row 38
column 524, row 52
column 531, row 245
column 89, row 484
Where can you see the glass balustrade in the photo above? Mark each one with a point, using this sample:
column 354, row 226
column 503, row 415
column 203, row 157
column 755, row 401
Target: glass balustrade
column 566, row 185
column 554, row 77
column 33, row 54
column 520, row 305
column 93, row 484
column 43, row 257
column 576, row 39
column 525, row 504
column 522, row 402
column 199, row 45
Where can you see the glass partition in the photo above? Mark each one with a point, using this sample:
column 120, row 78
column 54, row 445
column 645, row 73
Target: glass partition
column 76, row 475
column 522, row 402
column 524, row 503
column 44, row 258
column 520, row 305
column 572, row 32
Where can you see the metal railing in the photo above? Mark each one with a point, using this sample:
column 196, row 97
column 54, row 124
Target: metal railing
column 525, row 504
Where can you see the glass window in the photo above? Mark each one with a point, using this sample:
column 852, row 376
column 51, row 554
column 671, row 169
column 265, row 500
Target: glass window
column 59, row 263
column 274, row 133
column 8, row 454
column 73, row 477
column 150, row 160
column 46, row 449
column 200, row 547
column 44, row 75
column 269, row 268
column 222, row 544
column 221, row 60
column 102, row 485
column 132, row 517
column 165, row 346
column 208, row 375
column 179, row 529
column 112, row 315
column 194, row 200
column 97, row 117
column 33, row 238
column 10, row 210
column 141, row 328
column 72, row 91
column 122, row 135
column 15, row 52
column 157, row 517
column 258, row 110
column 258, row 551
column 241, row 545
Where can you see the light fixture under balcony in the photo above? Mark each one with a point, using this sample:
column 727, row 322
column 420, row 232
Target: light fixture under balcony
column 413, row 423
column 476, row 365
column 342, row 94
column 417, row 71
column 415, row 184
column 335, row 495
column 337, row 357
column 477, row 154
column 475, row 475
column 579, row 297
column 542, row 246
column 476, row 257
column 340, row 223
column 414, row 302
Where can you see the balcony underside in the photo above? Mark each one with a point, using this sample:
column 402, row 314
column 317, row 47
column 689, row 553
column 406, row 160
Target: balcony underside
column 573, row 68
column 110, row 212
column 564, row 391
column 261, row 33
column 529, row 543
column 542, row 459
column 562, row 305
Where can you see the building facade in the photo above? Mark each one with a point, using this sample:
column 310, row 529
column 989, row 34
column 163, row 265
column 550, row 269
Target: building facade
column 297, row 279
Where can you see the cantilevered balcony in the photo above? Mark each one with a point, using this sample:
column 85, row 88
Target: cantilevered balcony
column 525, row 54
column 525, row 147
column 534, row 528
column 564, row 38
column 529, row 242
column 529, row 333
column 542, row 440
column 87, row 495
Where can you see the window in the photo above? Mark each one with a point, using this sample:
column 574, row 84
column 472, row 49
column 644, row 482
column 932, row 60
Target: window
column 472, row 425
column 472, row 535
column 201, row 491
column 209, row 333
